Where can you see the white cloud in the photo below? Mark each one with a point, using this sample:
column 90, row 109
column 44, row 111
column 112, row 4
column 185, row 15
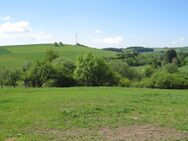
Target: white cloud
column 174, row 43
column 182, row 38
column 19, row 30
column 109, row 40
column 14, row 27
column 40, row 35
column 6, row 18
column 98, row 31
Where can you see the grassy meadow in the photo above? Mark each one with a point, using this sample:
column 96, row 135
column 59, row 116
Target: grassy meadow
column 83, row 113
column 17, row 56
column 87, row 113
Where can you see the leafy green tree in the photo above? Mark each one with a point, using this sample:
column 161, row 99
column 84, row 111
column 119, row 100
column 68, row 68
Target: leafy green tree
column 51, row 55
column 25, row 74
column 2, row 77
column 165, row 80
column 56, row 44
column 156, row 63
column 64, row 72
column 148, row 71
column 170, row 55
column 100, row 71
column 60, row 43
column 124, row 70
column 91, row 70
column 170, row 68
column 83, row 69
column 40, row 73
column 128, row 54
column 13, row 77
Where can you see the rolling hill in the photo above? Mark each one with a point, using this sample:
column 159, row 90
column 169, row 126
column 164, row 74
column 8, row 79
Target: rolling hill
column 16, row 56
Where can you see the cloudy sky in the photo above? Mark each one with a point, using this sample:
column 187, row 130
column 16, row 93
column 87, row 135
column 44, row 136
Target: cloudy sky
column 98, row 23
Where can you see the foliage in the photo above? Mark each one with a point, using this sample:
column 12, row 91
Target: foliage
column 40, row 73
column 51, row 55
column 49, row 83
column 2, row 77
column 164, row 80
column 140, row 49
column 148, row 71
column 64, row 72
column 169, row 56
column 56, row 44
column 61, row 44
column 91, row 70
column 170, row 68
column 123, row 82
column 124, row 70
column 114, row 49
column 13, row 77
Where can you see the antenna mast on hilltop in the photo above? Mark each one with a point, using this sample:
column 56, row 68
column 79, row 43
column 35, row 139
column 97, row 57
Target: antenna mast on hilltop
column 76, row 38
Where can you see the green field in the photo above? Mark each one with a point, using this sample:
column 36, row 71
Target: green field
column 92, row 114
column 16, row 56
column 178, row 49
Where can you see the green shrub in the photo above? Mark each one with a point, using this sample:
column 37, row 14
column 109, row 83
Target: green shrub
column 124, row 82
column 170, row 68
column 148, row 71
column 49, row 83
column 166, row 80
column 146, row 83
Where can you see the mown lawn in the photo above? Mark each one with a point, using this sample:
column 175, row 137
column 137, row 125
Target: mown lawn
column 56, row 114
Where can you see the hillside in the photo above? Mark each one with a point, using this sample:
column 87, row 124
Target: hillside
column 15, row 56
column 178, row 49
column 141, row 49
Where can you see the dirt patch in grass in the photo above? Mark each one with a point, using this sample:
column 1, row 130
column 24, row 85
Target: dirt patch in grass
column 77, row 134
column 142, row 133
column 130, row 133
column 10, row 139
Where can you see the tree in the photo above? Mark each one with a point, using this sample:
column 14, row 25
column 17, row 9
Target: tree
column 100, row 71
column 13, row 77
column 60, row 43
column 124, row 70
column 25, row 74
column 40, row 73
column 83, row 68
column 148, row 71
column 2, row 77
column 51, row 55
column 165, row 80
column 64, row 72
column 92, row 71
column 128, row 54
column 56, row 44
column 170, row 55
column 170, row 68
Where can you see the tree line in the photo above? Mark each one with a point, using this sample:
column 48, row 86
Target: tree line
column 160, row 71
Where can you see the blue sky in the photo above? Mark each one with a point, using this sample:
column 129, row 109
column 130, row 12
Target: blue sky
column 98, row 23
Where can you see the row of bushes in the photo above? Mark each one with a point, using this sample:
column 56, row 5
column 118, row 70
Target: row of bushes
column 88, row 70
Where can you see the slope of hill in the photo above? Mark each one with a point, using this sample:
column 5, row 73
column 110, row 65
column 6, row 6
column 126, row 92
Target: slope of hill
column 15, row 56
column 178, row 49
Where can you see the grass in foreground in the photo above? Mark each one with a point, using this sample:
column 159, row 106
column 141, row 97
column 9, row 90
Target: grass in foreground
column 79, row 113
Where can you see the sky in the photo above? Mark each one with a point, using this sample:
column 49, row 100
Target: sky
column 98, row 23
